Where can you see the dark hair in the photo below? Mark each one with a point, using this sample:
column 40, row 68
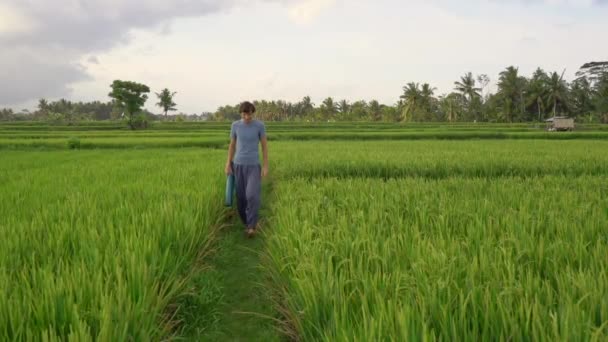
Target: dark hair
column 247, row 107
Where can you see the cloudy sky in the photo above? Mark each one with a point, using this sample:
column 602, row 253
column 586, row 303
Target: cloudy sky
column 215, row 52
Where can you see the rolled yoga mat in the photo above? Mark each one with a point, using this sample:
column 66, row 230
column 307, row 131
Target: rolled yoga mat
column 229, row 190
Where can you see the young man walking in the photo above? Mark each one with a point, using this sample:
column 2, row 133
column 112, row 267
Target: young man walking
column 244, row 161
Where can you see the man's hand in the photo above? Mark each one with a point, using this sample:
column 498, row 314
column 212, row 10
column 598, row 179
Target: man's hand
column 264, row 171
column 228, row 169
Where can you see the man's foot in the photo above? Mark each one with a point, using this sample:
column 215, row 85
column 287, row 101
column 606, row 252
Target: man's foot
column 250, row 232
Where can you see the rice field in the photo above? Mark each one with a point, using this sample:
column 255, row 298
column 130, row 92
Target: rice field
column 373, row 232
column 102, row 245
column 437, row 244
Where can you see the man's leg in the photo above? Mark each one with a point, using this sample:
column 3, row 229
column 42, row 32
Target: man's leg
column 241, row 193
column 254, row 194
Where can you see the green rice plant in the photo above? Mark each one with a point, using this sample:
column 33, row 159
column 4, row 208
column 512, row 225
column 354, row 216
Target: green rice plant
column 117, row 143
column 73, row 143
column 458, row 259
column 104, row 246
column 440, row 159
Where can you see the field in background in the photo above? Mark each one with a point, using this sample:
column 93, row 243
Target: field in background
column 98, row 135
column 376, row 231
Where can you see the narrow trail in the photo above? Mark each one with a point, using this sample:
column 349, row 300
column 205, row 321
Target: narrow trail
column 246, row 312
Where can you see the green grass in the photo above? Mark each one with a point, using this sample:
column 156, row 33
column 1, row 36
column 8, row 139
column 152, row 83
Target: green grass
column 246, row 312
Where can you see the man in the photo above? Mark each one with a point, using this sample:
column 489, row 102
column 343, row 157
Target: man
column 244, row 161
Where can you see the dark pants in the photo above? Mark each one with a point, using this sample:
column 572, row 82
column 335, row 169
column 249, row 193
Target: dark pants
column 248, row 179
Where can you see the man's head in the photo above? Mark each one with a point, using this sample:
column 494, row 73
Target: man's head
column 247, row 109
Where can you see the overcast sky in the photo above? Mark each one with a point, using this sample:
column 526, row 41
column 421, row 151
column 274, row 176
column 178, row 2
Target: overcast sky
column 216, row 52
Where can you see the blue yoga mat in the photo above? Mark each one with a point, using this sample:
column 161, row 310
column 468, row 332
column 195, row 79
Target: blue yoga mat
column 229, row 190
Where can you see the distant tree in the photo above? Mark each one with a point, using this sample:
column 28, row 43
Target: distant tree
column 6, row 114
column 470, row 93
column 165, row 98
column 427, row 102
column 375, row 110
column 581, row 97
column 451, row 106
column 43, row 109
column 358, row 110
column 412, row 96
column 483, row 81
column 130, row 97
column 596, row 74
column 511, row 90
column 537, row 92
column 593, row 71
column 343, row 107
column 557, row 91
column 467, row 88
column 601, row 97
column 328, row 109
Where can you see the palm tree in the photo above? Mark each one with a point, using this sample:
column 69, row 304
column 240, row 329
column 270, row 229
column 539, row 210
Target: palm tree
column 470, row 93
column 450, row 105
column 329, row 108
column 467, row 88
column 426, row 100
column 165, row 98
column 343, row 106
column 306, row 105
column 411, row 95
column 426, row 94
column 537, row 91
column 557, row 90
column 375, row 110
column 510, row 88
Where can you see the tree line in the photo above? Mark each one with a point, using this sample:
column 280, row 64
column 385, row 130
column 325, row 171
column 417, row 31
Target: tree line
column 518, row 99
column 127, row 100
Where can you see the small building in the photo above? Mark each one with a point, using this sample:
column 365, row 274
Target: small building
column 560, row 123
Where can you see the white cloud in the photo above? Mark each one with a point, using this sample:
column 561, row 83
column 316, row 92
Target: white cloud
column 305, row 11
column 52, row 36
column 13, row 20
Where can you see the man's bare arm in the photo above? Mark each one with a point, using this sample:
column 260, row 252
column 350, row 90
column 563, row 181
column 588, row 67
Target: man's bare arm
column 264, row 142
column 231, row 151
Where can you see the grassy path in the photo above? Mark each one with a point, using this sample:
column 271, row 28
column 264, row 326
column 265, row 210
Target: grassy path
column 246, row 312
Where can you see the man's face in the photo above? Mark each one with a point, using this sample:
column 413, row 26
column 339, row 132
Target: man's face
column 247, row 117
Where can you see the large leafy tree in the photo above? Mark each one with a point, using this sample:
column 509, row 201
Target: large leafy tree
column 130, row 97
column 596, row 73
column 581, row 97
column 601, row 97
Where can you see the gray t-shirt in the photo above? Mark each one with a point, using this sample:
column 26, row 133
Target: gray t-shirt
column 247, row 138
